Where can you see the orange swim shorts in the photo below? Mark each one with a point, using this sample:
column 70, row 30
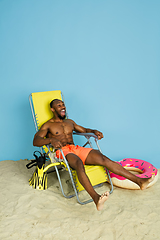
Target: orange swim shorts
column 81, row 152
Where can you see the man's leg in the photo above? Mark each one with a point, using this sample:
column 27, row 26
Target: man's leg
column 97, row 158
column 76, row 163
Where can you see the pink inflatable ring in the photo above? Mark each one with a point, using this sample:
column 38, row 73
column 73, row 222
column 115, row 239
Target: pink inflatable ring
column 145, row 169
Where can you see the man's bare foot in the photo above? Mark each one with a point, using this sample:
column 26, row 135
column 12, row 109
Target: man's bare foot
column 144, row 184
column 102, row 200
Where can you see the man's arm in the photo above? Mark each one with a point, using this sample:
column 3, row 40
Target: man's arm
column 80, row 129
column 40, row 140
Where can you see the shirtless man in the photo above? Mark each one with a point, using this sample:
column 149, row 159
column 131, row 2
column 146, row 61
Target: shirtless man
column 58, row 132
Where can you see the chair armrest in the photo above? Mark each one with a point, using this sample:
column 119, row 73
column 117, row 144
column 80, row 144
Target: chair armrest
column 87, row 135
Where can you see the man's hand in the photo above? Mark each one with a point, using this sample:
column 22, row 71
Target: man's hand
column 55, row 143
column 98, row 134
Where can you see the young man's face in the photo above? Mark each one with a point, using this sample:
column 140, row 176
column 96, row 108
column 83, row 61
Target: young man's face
column 59, row 108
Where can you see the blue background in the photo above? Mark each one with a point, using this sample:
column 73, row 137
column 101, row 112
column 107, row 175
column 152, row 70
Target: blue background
column 104, row 56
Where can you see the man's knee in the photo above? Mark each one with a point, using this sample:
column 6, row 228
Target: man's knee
column 75, row 162
column 102, row 157
column 96, row 157
column 79, row 165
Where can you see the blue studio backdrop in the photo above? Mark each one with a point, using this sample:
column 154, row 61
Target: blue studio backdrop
column 103, row 55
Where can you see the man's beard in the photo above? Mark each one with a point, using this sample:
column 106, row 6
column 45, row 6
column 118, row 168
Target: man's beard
column 61, row 117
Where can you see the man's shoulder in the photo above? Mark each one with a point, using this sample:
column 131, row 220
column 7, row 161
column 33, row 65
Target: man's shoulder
column 69, row 120
column 46, row 124
column 50, row 120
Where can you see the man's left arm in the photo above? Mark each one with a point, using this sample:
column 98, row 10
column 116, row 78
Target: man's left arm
column 80, row 129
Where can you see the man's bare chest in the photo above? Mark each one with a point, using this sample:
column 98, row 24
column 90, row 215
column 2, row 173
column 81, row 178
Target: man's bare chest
column 60, row 128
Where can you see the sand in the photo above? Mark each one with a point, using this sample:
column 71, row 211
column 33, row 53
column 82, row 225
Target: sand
column 26, row 213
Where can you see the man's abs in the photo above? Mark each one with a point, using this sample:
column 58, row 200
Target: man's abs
column 63, row 138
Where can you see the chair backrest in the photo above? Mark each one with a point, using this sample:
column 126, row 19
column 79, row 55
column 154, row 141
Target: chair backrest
column 41, row 104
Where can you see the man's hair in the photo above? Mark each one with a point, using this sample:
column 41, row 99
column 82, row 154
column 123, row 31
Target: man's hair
column 52, row 102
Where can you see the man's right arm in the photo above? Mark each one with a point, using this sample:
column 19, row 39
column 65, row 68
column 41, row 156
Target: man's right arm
column 41, row 140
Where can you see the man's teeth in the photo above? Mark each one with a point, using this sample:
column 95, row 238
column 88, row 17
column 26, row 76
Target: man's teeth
column 63, row 111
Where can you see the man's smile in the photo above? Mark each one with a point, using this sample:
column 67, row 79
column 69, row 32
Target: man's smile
column 63, row 112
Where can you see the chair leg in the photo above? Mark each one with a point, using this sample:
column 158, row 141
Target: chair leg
column 60, row 183
column 110, row 181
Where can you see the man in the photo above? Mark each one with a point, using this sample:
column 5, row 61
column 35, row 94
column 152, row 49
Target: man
column 58, row 132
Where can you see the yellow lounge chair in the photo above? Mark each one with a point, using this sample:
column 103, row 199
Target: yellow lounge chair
column 40, row 107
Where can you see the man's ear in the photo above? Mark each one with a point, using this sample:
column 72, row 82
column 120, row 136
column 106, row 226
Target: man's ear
column 52, row 109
